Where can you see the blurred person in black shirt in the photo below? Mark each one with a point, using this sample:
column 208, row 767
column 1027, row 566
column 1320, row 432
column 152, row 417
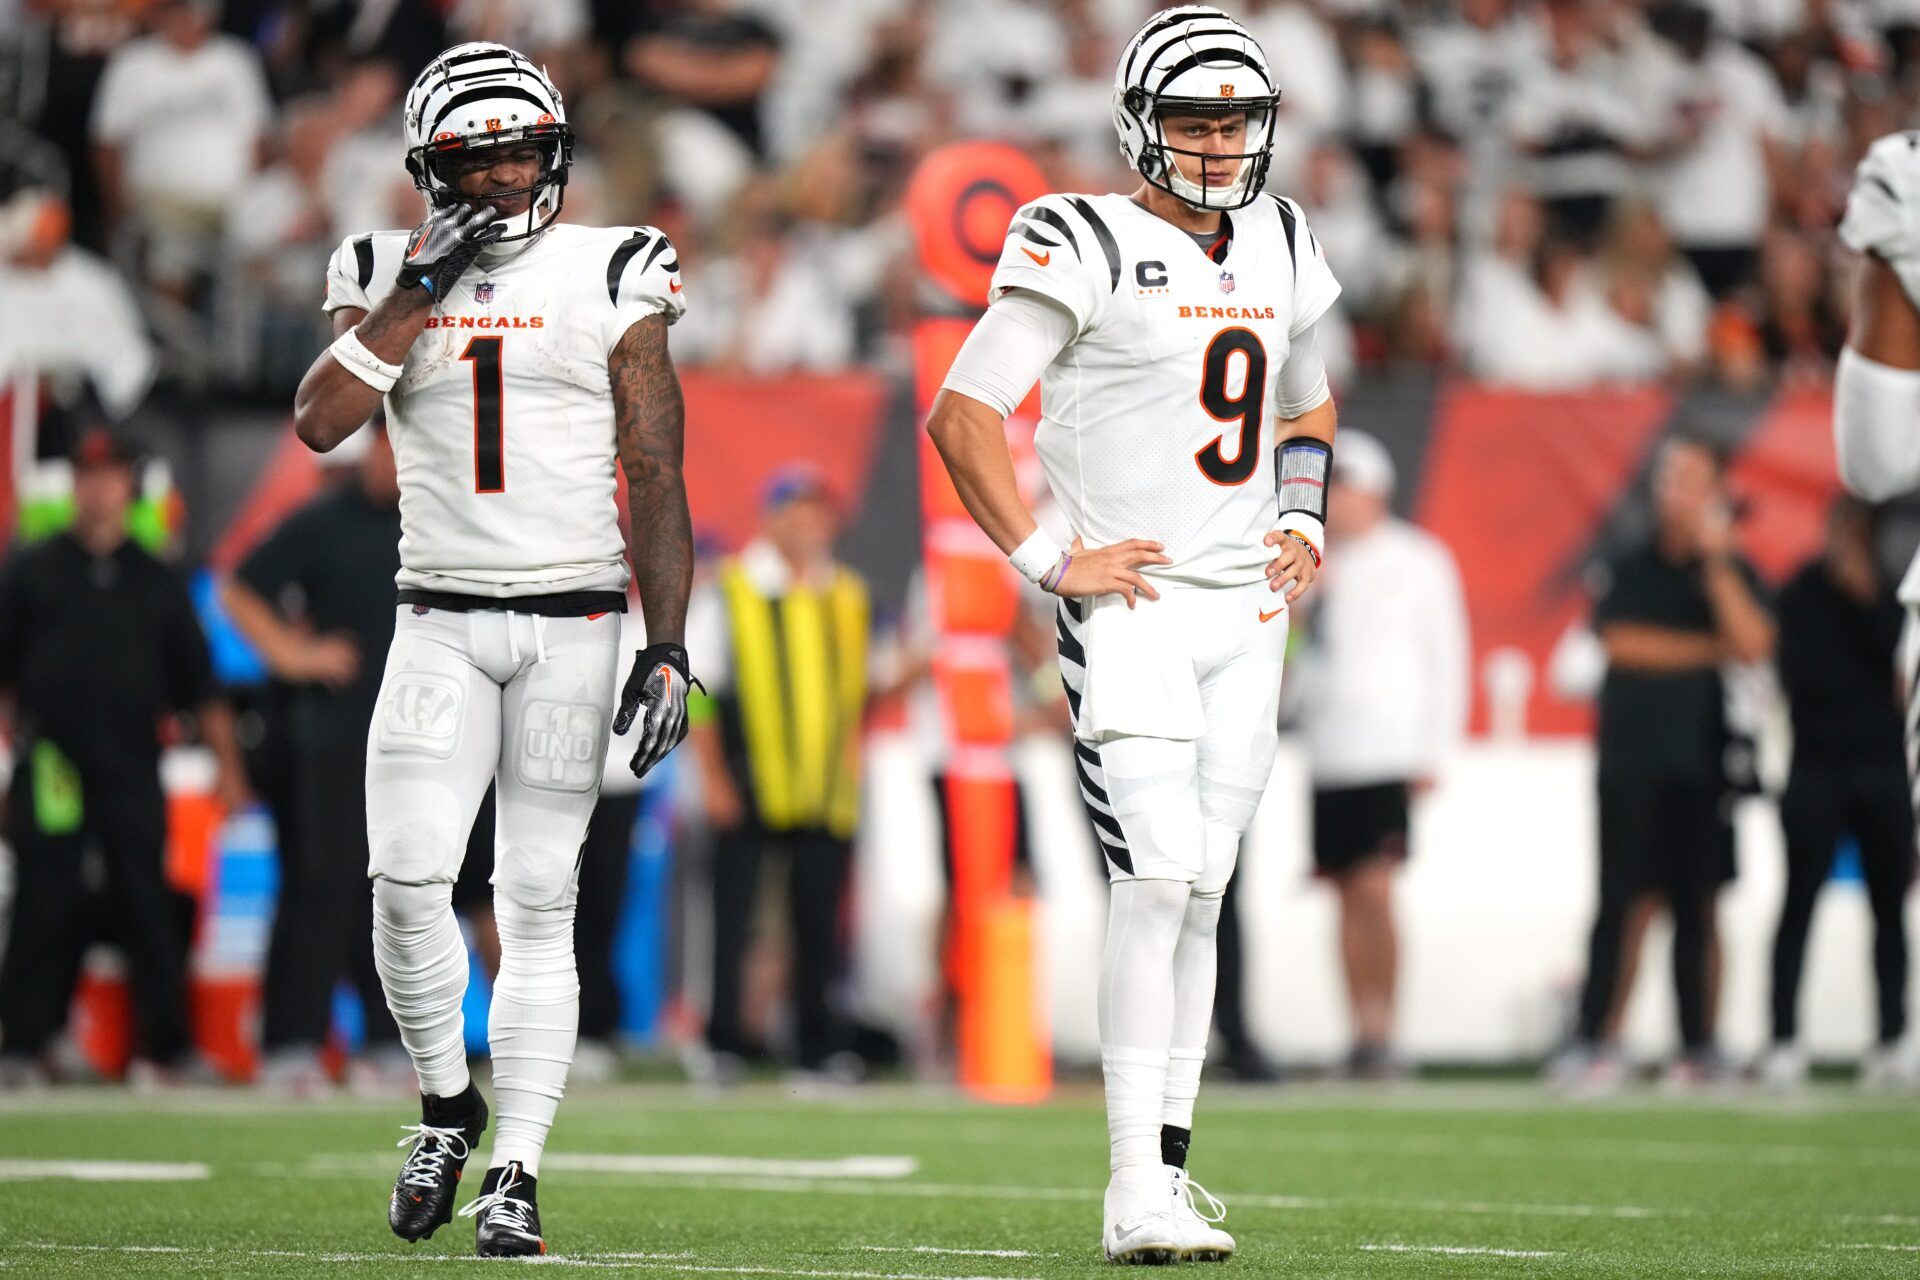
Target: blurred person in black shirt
column 1675, row 610
column 316, row 600
column 1839, row 631
column 98, row 641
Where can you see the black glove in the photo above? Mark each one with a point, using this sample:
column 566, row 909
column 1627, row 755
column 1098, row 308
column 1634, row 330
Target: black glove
column 446, row 244
column 659, row 682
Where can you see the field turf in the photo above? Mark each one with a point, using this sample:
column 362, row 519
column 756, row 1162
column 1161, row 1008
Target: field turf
column 1436, row 1180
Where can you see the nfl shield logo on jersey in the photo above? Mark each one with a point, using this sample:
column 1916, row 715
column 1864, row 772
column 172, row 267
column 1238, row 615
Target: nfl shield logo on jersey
column 1226, row 282
column 483, row 292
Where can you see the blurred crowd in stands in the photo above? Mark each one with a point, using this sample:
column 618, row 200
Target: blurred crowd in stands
column 1549, row 194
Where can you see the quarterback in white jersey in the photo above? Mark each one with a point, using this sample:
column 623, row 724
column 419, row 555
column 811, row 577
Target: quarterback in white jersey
column 1876, row 412
column 1186, row 430
column 518, row 360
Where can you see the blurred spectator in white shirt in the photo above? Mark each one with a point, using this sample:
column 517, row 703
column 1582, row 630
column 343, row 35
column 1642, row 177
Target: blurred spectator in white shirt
column 1385, row 705
column 70, row 329
column 1725, row 115
column 1470, row 63
column 1529, row 316
column 1573, row 124
column 177, row 127
column 1652, row 285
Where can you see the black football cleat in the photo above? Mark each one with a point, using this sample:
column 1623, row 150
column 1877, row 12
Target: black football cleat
column 423, row 1194
column 508, row 1223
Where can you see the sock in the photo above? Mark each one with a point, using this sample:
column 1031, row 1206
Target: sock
column 1136, row 1017
column 525, row 1185
column 1195, row 968
column 423, row 969
column 531, row 1027
column 1174, row 1142
column 453, row 1112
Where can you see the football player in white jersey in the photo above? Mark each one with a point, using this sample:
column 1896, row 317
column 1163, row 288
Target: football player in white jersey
column 1876, row 413
column 1172, row 334
column 518, row 359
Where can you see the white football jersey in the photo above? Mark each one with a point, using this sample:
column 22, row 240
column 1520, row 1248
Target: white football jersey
column 502, row 423
column 1157, row 420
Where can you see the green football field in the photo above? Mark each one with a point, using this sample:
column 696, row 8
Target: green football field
column 654, row 1180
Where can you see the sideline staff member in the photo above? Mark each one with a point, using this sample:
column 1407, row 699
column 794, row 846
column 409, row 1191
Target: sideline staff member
column 786, row 634
column 98, row 641
column 337, row 555
column 1677, row 609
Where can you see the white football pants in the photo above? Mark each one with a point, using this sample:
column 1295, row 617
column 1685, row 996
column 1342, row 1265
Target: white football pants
column 1175, row 707
column 471, row 698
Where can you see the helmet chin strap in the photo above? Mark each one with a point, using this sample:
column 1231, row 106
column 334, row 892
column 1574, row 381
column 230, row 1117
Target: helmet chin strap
column 1196, row 195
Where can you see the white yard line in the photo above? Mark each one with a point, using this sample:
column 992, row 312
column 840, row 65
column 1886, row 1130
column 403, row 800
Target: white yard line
column 328, row 1165
column 1476, row 1250
column 736, row 1166
column 957, row 1253
column 101, row 1171
column 608, row 1262
column 1890, row 1248
column 1882, row 1219
column 868, row 1168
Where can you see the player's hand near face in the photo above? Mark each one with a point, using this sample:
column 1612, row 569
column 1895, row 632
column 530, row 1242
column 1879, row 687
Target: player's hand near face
column 1293, row 568
column 441, row 249
column 1115, row 568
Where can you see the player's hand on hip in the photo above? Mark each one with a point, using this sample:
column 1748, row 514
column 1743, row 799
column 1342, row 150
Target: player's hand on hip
column 445, row 245
column 1293, row 569
column 657, row 685
column 1114, row 568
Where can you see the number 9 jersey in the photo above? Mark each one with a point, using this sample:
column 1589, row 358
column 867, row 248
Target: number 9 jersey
column 1155, row 418
column 502, row 421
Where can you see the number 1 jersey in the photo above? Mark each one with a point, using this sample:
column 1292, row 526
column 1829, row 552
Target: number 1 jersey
column 502, row 421
column 1156, row 419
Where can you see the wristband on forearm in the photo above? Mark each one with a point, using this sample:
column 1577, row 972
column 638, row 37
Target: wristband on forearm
column 357, row 360
column 1300, row 467
column 1040, row 560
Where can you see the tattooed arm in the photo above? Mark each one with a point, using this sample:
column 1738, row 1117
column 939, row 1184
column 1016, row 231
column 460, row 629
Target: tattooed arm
column 331, row 403
column 650, row 422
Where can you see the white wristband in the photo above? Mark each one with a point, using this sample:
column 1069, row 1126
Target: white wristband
column 1033, row 558
column 357, row 360
column 1309, row 527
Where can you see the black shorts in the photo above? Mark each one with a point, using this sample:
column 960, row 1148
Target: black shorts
column 1655, row 832
column 1353, row 824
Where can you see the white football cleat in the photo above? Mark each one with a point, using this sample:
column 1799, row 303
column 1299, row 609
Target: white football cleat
column 1201, row 1239
column 1140, row 1229
column 1886, row 1069
column 1784, row 1069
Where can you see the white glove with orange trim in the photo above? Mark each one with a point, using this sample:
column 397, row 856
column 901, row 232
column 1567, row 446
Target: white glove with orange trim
column 659, row 682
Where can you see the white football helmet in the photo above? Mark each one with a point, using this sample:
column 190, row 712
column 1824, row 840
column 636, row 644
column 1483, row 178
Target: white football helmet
column 476, row 97
column 1193, row 60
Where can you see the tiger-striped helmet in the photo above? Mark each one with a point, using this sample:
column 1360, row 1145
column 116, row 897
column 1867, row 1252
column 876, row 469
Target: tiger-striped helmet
column 1194, row 60
column 473, row 99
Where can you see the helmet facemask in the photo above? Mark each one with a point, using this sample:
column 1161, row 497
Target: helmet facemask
column 438, row 166
column 1156, row 159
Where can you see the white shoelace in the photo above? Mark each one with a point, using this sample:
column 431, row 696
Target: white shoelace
column 1216, row 1210
column 515, row 1210
column 431, row 1147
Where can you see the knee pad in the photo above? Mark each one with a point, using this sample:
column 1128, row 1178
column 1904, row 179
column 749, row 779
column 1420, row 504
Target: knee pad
column 536, row 877
column 1151, row 784
column 406, row 913
column 1223, row 855
column 1203, row 914
column 414, row 853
